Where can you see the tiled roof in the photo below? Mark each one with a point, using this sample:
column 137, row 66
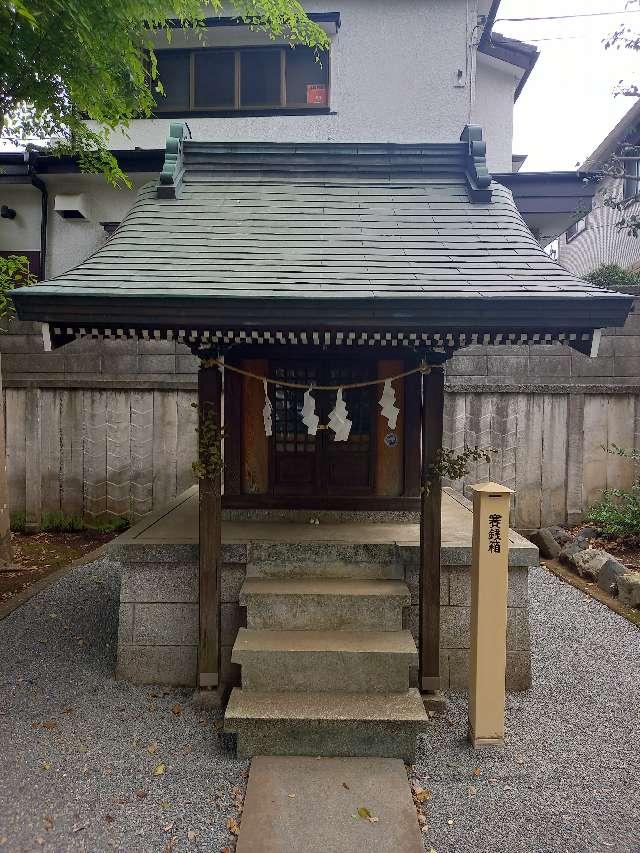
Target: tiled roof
column 389, row 231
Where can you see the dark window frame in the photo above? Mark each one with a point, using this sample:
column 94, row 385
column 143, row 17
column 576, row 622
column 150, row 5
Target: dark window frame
column 631, row 182
column 577, row 228
column 238, row 109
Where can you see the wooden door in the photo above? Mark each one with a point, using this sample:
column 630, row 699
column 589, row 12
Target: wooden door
column 318, row 466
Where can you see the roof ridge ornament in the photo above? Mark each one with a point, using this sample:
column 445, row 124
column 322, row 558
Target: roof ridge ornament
column 476, row 172
column 170, row 182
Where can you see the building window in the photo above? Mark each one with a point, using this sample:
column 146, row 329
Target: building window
column 577, row 228
column 249, row 78
column 631, row 187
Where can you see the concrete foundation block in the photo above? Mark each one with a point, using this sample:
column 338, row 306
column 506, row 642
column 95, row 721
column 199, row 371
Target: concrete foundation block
column 460, row 586
column 458, row 669
column 125, row 623
column 232, row 577
column 455, row 627
column 518, row 638
column 150, row 583
column 518, row 591
column 166, row 624
column 172, row 665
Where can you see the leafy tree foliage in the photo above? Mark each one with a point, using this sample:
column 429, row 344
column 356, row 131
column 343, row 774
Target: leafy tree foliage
column 14, row 272
column 614, row 277
column 64, row 61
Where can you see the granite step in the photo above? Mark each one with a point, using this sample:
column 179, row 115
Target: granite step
column 329, row 724
column 322, row 604
column 325, row 559
column 321, row 661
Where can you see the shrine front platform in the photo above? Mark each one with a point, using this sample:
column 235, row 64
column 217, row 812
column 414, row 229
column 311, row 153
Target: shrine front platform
column 158, row 629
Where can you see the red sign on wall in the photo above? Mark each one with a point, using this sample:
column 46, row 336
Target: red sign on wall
column 317, row 94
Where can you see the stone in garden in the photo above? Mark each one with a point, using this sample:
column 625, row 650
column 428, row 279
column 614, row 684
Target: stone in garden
column 562, row 536
column 609, row 575
column 588, row 532
column 570, row 550
column 629, row 589
column 589, row 562
column 546, row 542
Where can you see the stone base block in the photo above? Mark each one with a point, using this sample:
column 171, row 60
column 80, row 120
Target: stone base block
column 176, row 666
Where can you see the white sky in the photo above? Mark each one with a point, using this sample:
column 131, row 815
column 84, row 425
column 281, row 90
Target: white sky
column 567, row 106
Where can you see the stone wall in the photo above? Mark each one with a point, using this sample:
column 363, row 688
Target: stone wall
column 105, row 427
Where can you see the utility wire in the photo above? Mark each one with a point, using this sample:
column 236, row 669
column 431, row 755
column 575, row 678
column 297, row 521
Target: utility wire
column 569, row 17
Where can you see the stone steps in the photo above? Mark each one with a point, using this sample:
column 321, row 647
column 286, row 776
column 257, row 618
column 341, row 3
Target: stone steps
column 319, row 604
column 324, row 559
column 329, row 724
column 324, row 661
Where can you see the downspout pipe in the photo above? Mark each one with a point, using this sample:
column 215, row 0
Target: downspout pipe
column 40, row 185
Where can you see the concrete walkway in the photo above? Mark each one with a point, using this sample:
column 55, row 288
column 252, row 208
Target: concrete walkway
column 328, row 805
column 89, row 764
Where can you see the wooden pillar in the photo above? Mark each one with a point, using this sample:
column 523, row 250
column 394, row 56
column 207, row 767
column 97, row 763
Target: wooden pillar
column 430, row 531
column 210, row 523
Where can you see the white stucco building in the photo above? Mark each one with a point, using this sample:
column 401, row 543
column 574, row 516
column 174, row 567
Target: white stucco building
column 411, row 71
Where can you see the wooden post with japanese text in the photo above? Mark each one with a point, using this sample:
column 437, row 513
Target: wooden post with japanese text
column 489, row 578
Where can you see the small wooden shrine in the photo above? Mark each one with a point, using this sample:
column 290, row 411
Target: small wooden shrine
column 309, row 266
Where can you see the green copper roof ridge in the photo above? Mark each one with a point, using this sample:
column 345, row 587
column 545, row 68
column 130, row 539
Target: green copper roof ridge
column 477, row 174
column 170, row 181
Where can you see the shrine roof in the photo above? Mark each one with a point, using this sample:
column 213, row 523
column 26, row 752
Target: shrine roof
column 268, row 235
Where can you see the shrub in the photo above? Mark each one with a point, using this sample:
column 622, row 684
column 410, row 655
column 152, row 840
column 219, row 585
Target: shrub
column 58, row 522
column 618, row 513
column 18, row 522
column 614, row 277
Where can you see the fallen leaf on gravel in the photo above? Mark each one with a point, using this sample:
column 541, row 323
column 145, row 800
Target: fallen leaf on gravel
column 152, row 748
column 191, row 835
column 422, row 820
column 167, row 828
column 68, row 710
column 226, row 850
column 109, row 818
column 141, row 794
column 477, row 772
column 232, row 826
column 345, row 786
column 50, row 725
column 46, row 765
column 78, row 827
column 431, row 850
column 159, row 769
column 472, row 790
column 177, row 710
column 48, row 822
column 422, row 795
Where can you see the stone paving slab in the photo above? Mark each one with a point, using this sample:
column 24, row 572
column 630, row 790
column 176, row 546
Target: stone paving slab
column 299, row 805
column 177, row 524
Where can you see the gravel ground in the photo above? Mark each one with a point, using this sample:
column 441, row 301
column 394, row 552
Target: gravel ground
column 76, row 772
column 568, row 778
column 75, row 769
